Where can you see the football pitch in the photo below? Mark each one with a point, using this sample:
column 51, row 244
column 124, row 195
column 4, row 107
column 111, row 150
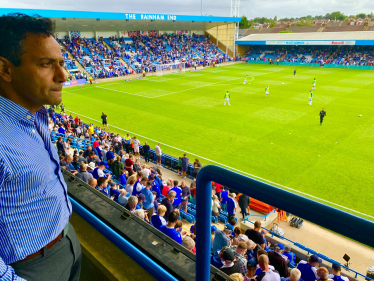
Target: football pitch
column 277, row 139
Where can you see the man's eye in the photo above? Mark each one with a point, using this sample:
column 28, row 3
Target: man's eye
column 46, row 64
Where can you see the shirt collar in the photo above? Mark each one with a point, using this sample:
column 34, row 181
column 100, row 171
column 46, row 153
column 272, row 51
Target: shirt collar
column 17, row 111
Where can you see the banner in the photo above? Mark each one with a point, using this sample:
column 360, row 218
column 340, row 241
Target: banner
column 312, row 42
column 74, row 82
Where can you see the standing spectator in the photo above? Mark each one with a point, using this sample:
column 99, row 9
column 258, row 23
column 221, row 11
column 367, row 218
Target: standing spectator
column 218, row 190
column 336, row 273
column 287, row 252
column 117, row 167
column 127, row 143
column 197, row 166
column 67, row 147
column 178, row 167
column 276, row 259
column 146, row 149
column 224, row 197
column 117, row 146
column 158, row 220
column 169, row 229
column 139, row 185
column 60, row 146
column 309, row 269
column 99, row 171
column 215, row 206
column 87, row 151
column 104, row 118
column 83, row 174
column 145, row 171
column 166, row 188
column 123, row 198
column 136, row 147
column 255, row 235
column 123, row 177
column 168, row 203
column 244, row 205
column 221, row 237
column 231, row 206
column 81, row 158
column 130, row 185
column 110, row 156
column 186, row 193
column 148, row 204
column 91, row 130
column 158, row 154
column 185, row 162
column 178, row 194
column 129, row 164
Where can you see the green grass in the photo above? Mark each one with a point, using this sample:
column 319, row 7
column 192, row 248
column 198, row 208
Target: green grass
column 277, row 138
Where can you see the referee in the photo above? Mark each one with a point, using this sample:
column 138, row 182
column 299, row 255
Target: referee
column 322, row 115
column 37, row 242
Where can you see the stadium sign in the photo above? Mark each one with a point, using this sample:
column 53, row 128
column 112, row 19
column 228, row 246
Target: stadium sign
column 74, row 83
column 312, row 42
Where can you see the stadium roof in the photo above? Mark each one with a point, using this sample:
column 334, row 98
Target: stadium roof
column 103, row 21
column 312, row 38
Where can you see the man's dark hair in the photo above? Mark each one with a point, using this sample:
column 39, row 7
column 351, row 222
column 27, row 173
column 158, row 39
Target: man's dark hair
column 173, row 217
column 13, row 30
column 101, row 180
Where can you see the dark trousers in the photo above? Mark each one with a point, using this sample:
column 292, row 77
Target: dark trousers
column 127, row 146
column 62, row 262
column 321, row 120
column 244, row 213
column 230, row 217
column 146, row 157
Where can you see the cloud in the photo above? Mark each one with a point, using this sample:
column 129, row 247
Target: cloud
column 250, row 8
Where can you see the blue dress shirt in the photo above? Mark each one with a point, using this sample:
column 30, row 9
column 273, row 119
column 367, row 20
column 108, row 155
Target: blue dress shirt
column 34, row 204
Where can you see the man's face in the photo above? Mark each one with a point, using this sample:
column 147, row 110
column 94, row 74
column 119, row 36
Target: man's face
column 39, row 78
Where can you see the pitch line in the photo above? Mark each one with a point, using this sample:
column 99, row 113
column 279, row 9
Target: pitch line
column 242, row 172
column 123, row 92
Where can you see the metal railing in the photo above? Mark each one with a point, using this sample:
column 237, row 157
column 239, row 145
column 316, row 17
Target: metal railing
column 352, row 226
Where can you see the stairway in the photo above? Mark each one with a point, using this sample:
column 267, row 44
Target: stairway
column 80, row 67
column 122, row 61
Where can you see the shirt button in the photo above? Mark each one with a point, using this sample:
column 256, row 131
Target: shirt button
column 28, row 117
column 33, row 130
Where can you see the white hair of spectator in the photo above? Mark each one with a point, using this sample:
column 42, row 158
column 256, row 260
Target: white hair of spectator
column 172, row 193
column 133, row 200
column 295, row 274
column 251, row 244
column 215, row 197
column 140, row 213
column 123, row 191
column 237, row 277
column 188, row 243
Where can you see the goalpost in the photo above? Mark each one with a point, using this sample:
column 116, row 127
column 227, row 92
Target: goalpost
column 170, row 68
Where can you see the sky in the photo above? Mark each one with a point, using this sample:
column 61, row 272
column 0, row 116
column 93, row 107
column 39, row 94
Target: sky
column 249, row 8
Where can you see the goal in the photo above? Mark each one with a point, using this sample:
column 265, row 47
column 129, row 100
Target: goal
column 162, row 69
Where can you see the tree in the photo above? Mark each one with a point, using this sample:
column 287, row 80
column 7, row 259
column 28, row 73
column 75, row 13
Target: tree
column 361, row 15
column 337, row 15
column 272, row 24
column 304, row 23
column 275, row 18
column 244, row 22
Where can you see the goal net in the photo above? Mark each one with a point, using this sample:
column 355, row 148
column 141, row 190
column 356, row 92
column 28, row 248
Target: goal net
column 162, row 69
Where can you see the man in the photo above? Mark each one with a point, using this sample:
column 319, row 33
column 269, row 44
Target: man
column 136, row 147
column 83, row 174
column 146, row 149
column 148, row 203
column 158, row 219
column 227, row 98
column 189, row 244
column 131, row 204
column 295, row 275
column 129, row 164
column 309, row 269
column 186, row 193
column 276, row 259
column 314, row 84
column 336, row 273
column 231, row 265
column 290, row 255
column 294, row 72
column 87, row 151
column 168, row 203
column 310, row 98
column 169, row 229
column 127, row 143
column 178, row 195
column 102, row 184
column 158, row 154
column 117, row 146
column 231, row 206
column 239, row 254
column 104, row 118
column 31, row 75
column 221, row 237
column 98, row 172
column 138, row 186
column 123, row 197
column 81, row 158
column 224, row 197
column 322, row 115
column 267, row 274
column 117, row 166
column 66, row 164
column 323, row 274
column 244, row 204
column 185, row 162
column 92, row 182
column 267, row 90
column 255, row 235
column 245, row 79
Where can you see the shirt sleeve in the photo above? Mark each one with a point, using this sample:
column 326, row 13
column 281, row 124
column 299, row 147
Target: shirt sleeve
column 7, row 273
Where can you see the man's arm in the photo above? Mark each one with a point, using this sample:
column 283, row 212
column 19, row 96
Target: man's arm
column 7, row 273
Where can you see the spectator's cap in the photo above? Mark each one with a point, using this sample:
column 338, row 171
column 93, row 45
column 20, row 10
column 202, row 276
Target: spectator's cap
column 243, row 237
column 113, row 184
column 153, row 172
column 228, row 255
column 315, row 258
column 151, row 177
column 280, row 246
column 91, row 165
column 102, row 163
column 213, row 228
column 141, row 197
column 336, row 266
column 229, row 227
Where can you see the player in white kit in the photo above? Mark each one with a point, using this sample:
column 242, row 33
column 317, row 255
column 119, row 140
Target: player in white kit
column 310, row 98
column 245, row 79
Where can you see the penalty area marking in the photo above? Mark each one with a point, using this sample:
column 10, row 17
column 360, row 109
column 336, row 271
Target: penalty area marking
column 223, row 165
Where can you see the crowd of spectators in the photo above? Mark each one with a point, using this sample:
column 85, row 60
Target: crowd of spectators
column 343, row 55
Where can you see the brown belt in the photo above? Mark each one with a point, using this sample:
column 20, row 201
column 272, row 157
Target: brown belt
column 49, row 245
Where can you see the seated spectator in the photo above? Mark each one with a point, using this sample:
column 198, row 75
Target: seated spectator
column 309, row 269
column 92, row 182
column 146, row 172
column 239, row 254
column 123, row 177
column 323, row 274
column 91, row 167
column 99, row 171
column 221, row 237
column 83, row 174
column 76, row 163
column 235, row 240
column 141, row 214
column 123, row 197
column 267, row 244
column 295, row 275
column 276, row 259
column 166, row 188
column 169, row 229
column 238, row 277
column 129, row 163
column 102, row 183
column 168, row 203
column 158, row 220
column 141, row 199
column 267, row 274
column 66, row 164
column 231, row 265
column 92, row 157
column 336, row 273
column 114, row 190
column 130, row 186
column 189, row 244
column 81, row 158
column 131, row 204
column 139, row 185
column 290, row 255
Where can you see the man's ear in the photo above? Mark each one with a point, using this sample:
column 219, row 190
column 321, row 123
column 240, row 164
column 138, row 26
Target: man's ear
column 5, row 70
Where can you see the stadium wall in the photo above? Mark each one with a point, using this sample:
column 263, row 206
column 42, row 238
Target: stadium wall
column 224, row 33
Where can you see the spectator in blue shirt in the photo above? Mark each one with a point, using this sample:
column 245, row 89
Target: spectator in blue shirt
column 224, row 197
column 123, row 177
column 231, row 206
column 221, row 237
column 158, row 220
column 336, row 273
column 138, row 186
column 148, row 204
column 61, row 129
column 309, row 269
column 169, row 229
column 178, row 192
column 102, row 184
column 287, row 252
